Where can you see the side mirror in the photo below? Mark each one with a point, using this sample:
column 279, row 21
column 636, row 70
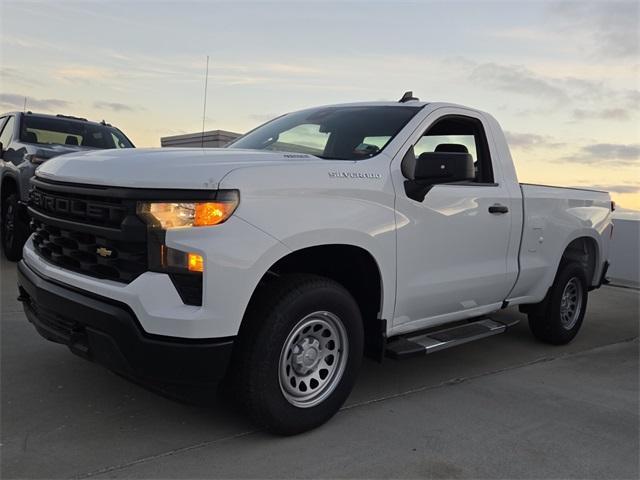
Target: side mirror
column 444, row 167
column 1, row 150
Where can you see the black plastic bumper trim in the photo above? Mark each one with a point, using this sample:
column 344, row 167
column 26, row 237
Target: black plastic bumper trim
column 108, row 333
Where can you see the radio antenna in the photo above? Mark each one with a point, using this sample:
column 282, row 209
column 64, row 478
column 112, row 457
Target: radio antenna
column 24, row 107
column 204, row 108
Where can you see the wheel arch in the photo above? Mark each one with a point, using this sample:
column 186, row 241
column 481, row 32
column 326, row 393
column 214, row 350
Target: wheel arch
column 584, row 250
column 352, row 266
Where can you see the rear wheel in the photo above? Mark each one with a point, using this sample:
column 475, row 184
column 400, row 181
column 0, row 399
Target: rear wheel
column 559, row 317
column 299, row 354
column 15, row 230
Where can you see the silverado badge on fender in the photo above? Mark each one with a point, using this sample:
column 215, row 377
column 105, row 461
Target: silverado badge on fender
column 335, row 174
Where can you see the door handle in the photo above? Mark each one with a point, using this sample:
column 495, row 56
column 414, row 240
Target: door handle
column 497, row 208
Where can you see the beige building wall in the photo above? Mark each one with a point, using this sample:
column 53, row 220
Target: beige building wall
column 210, row 139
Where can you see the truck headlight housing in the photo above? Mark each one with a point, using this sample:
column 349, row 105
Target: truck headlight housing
column 169, row 215
column 184, row 268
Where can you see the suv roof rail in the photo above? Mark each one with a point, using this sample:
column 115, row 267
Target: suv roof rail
column 72, row 117
column 408, row 97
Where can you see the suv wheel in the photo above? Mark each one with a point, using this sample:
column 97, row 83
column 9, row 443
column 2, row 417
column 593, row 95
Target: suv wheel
column 299, row 353
column 559, row 317
column 14, row 230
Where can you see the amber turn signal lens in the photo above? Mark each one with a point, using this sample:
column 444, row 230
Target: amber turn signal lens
column 196, row 263
column 212, row 213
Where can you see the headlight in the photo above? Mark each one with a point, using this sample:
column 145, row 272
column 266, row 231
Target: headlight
column 168, row 215
column 185, row 269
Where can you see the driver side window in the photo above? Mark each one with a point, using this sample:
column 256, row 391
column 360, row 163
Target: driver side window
column 454, row 149
column 435, row 143
column 459, row 134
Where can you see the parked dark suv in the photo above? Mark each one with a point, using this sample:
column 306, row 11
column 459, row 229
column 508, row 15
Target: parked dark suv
column 26, row 140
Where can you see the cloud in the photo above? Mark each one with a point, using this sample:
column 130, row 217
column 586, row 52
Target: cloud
column 115, row 106
column 611, row 28
column 604, row 114
column 518, row 79
column 13, row 41
column 607, row 154
column 633, row 96
column 82, row 73
column 527, row 141
column 290, row 69
column 17, row 76
column 16, row 101
column 591, row 99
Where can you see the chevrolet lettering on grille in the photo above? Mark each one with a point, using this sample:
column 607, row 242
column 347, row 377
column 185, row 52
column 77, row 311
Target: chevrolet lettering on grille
column 72, row 207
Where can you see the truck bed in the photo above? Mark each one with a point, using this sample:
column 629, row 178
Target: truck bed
column 552, row 218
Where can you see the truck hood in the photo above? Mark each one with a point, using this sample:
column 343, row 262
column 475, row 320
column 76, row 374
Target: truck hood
column 180, row 168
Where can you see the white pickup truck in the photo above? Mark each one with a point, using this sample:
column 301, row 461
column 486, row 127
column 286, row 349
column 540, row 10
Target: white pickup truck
column 381, row 229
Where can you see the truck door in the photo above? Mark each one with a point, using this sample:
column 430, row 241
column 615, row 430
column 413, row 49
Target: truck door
column 452, row 238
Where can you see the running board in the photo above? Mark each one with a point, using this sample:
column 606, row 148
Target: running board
column 403, row 347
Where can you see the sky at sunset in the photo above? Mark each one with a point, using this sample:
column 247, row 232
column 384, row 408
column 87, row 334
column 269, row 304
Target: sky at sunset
column 562, row 78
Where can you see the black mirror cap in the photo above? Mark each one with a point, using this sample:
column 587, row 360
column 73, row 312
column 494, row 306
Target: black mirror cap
column 444, row 167
column 1, row 149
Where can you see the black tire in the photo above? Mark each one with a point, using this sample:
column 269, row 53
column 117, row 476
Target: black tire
column 15, row 230
column 279, row 309
column 551, row 321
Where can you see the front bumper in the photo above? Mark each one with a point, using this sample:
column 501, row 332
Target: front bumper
column 107, row 332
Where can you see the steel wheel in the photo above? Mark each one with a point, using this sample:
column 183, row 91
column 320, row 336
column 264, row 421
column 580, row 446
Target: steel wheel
column 571, row 303
column 313, row 359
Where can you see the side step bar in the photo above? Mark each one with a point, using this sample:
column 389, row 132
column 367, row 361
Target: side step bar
column 403, row 347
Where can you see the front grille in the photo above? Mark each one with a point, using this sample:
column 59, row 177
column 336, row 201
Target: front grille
column 90, row 254
column 88, row 232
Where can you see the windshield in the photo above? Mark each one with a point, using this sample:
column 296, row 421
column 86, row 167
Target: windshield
column 337, row 133
column 60, row 131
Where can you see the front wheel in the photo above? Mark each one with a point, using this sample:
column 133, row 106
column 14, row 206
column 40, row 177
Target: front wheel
column 559, row 317
column 15, row 231
column 299, row 353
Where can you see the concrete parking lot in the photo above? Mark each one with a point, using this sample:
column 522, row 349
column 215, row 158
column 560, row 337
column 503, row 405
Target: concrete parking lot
column 503, row 407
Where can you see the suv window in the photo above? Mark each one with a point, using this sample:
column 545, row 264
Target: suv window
column 60, row 131
column 118, row 141
column 7, row 132
column 458, row 133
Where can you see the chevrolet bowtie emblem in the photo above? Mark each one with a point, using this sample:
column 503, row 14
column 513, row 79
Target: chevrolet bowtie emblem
column 104, row 252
